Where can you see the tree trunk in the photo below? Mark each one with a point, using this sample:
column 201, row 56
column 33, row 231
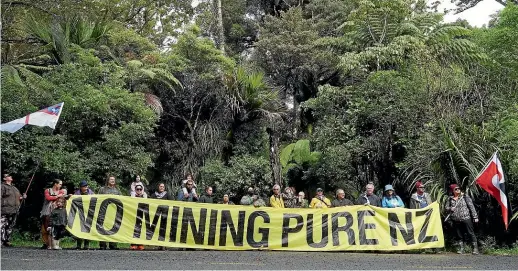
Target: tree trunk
column 221, row 31
column 275, row 163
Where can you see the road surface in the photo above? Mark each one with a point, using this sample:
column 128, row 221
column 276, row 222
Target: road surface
column 30, row 258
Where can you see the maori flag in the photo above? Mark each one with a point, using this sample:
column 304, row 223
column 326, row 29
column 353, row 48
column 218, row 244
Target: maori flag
column 492, row 179
column 45, row 117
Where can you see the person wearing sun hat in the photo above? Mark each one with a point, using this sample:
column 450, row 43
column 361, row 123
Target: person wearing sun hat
column 390, row 199
column 420, row 199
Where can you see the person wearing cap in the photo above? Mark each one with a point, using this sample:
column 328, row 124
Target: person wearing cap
column 390, row 199
column 461, row 212
column 369, row 198
column 340, row 199
column 276, row 200
column 83, row 191
column 10, row 204
column 420, row 199
column 320, row 201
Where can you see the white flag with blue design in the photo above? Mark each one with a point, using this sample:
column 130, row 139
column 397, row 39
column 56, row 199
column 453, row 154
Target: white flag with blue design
column 45, row 117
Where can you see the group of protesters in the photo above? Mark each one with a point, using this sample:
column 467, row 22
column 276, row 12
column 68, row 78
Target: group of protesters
column 53, row 216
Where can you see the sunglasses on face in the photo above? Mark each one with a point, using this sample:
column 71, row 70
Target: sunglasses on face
column 139, row 189
column 457, row 189
column 275, row 189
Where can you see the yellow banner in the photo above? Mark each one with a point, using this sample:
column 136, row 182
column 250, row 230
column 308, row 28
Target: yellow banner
column 234, row 227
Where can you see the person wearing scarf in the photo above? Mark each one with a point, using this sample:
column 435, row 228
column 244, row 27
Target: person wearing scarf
column 161, row 193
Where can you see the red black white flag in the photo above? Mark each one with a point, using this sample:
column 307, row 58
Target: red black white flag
column 492, row 179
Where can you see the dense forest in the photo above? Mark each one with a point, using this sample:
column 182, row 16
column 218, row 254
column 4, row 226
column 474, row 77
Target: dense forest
column 304, row 93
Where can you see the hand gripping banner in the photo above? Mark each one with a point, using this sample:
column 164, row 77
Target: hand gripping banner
column 234, row 227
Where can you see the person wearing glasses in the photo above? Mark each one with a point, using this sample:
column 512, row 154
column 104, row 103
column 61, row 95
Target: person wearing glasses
column 139, row 193
column 420, row 199
column 320, row 201
column 462, row 212
column 276, row 200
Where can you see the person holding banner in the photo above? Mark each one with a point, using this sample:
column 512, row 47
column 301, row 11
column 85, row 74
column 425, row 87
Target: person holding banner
column 139, row 193
column 369, row 198
column 462, row 211
column 10, row 205
column 111, row 189
column 320, row 201
column 84, row 191
column 390, row 199
column 226, row 200
column 340, row 199
column 191, row 192
column 161, row 193
column 276, row 200
column 420, row 199
column 249, row 198
column 301, row 201
column 290, row 200
column 208, row 197
column 51, row 196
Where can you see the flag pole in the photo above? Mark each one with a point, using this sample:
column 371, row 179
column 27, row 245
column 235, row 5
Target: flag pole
column 28, row 186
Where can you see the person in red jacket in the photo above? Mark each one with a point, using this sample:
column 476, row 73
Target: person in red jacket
column 51, row 195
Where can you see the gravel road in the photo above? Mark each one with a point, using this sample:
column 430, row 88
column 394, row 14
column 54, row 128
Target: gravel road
column 28, row 258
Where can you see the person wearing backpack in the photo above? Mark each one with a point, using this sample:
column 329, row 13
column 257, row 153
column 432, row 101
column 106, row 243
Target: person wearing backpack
column 462, row 212
column 320, row 201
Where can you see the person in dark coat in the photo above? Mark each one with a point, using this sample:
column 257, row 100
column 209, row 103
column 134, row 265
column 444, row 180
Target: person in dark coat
column 340, row 199
column 57, row 223
column 369, row 198
column 161, row 193
column 208, row 197
column 10, row 204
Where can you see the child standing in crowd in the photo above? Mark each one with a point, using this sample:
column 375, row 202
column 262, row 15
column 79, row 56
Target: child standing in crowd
column 134, row 185
column 57, row 224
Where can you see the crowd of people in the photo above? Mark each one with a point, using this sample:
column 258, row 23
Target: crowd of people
column 53, row 216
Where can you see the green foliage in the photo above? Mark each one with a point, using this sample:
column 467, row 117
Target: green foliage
column 241, row 173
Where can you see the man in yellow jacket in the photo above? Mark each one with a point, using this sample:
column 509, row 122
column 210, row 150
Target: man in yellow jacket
column 320, row 201
column 276, row 199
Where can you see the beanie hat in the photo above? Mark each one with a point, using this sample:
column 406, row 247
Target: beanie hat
column 453, row 186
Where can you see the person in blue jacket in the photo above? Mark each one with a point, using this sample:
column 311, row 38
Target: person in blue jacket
column 390, row 199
